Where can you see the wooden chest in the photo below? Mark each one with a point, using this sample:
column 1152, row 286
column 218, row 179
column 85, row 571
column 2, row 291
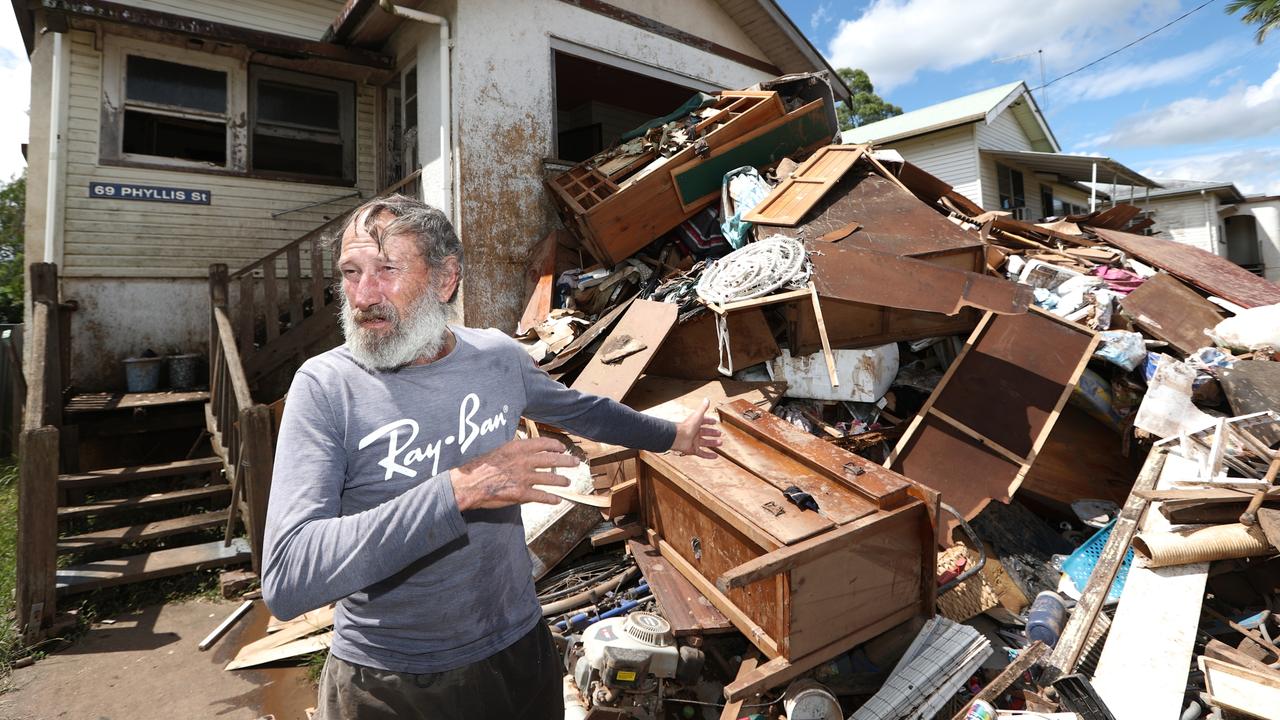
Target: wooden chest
column 804, row 586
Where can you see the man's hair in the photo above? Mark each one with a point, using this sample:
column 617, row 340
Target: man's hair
column 433, row 232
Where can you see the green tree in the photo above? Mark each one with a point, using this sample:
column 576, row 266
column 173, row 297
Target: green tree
column 1264, row 13
column 13, row 204
column 864, row 105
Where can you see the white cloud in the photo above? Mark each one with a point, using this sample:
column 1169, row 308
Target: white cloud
column 821, row 16
column 15, row 78
column 1245, row 111
column 1132, row 77
column 1255, row 170
column 893, row 40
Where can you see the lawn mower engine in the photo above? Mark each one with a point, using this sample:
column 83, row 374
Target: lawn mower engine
column 630, row 664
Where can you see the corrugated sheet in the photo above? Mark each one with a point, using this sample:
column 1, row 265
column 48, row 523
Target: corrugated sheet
column 108, row 238
column 299, row 18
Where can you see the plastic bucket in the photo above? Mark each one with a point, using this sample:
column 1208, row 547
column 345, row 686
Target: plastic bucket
column 184, row 371
column 142, row 374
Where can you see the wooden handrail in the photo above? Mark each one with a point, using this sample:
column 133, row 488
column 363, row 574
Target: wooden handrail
column 274, row 255
column 235, row 369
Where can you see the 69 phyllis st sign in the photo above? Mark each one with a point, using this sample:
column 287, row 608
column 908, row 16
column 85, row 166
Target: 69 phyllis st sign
column 149, row 193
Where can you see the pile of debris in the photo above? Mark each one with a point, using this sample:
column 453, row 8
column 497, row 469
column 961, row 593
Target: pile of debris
column 946, row 431
column 891, row 365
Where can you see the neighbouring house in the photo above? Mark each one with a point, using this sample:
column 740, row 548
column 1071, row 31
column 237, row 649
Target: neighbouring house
column 996, row 148
column 167, row 135
column 1252, row 230
column 1200, row 213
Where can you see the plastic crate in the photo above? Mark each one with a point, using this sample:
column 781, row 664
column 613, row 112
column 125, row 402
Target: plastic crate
column 1079, row 565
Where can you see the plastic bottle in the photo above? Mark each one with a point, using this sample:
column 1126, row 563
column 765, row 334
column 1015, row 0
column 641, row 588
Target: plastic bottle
column 1046, row 618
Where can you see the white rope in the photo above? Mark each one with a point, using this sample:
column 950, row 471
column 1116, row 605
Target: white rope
column 754, row 271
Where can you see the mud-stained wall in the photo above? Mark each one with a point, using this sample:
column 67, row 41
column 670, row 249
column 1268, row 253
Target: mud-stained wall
column 124, row 317
column 504, row 114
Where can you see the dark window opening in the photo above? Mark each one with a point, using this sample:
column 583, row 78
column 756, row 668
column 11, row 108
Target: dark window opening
column 160, row 82
column 597, row 103
column 1046, row 200
column 1009, row 182
column 307, row 157
column 302, row 125
column 411, row 98
column 164, row 136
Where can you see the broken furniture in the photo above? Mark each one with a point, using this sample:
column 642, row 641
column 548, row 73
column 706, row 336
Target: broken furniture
column 978, row 435
column 616, row 204
column 803, row 585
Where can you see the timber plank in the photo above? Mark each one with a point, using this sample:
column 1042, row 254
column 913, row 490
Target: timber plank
column 885, row 489
column 99, row 402
column 140, row 533
column 148, row 566
column 112, row 476
column 688, row 611
column 152, row 500
column 645, row 323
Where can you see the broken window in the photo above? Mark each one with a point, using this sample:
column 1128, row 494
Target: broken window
column 596, row 103
column 174, row 110
column 302, row 125
column 1009, row 182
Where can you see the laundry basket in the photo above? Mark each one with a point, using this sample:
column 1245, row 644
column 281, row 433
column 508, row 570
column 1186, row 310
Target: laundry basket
column 1079, row 565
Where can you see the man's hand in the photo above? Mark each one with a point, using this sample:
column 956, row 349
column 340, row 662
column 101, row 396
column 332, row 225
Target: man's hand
column 696, row 434
column 505, row 476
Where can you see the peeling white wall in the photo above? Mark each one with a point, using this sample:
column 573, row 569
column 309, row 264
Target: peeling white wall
column 504, row 112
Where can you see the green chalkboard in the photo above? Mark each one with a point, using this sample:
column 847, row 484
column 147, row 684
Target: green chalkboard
column 705, row 178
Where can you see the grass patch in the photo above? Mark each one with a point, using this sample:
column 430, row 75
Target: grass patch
column 11, row 648
column 315, row 665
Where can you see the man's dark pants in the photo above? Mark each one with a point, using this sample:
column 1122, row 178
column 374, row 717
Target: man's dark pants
column 522, row 682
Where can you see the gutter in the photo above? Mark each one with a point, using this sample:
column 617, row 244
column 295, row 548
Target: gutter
column 53, row 170
column 446, row 104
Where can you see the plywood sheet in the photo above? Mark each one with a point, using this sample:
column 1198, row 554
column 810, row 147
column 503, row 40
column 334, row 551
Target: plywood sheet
column 1172, row 312
column 691, row 351
column 646, row 323
column 788, row 203
column 1215, row 275
column 981, row 429
column 852, row 274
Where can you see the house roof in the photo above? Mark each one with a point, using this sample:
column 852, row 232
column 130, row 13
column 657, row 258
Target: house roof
column 788, row 51
column 1079, row 168
column 1226, row 191
column 984, row 105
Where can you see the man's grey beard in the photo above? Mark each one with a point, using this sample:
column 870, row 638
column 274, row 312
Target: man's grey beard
column 421, row 333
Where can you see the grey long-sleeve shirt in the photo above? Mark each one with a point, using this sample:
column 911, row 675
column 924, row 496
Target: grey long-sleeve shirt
column 362, row 510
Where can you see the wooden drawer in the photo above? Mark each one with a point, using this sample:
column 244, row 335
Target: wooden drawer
column 802, row 585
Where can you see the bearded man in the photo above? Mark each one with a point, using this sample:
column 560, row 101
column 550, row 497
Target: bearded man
column 398, row 480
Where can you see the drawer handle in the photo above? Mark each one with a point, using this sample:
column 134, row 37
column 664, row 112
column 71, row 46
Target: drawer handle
column 697, row 549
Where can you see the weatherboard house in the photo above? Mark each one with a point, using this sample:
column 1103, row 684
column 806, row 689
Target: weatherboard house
column 169, row 135
column 996, row 148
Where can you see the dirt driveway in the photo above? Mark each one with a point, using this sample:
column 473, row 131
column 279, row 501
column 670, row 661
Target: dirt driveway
column 146, row 665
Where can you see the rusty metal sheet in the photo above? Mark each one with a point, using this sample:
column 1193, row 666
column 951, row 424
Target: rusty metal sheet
column 979, row 432
column 1172, row 312
column 1215, row 275
column 892, row 220
column 843, row 271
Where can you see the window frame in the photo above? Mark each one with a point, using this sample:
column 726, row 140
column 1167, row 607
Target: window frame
column 115, row 104
column 238, row 118
column 1003, row 171
column 346, row 91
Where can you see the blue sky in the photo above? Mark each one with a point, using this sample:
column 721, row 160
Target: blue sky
column 1199, row 100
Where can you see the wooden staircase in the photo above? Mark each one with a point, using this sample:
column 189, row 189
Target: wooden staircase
column 126, row 524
